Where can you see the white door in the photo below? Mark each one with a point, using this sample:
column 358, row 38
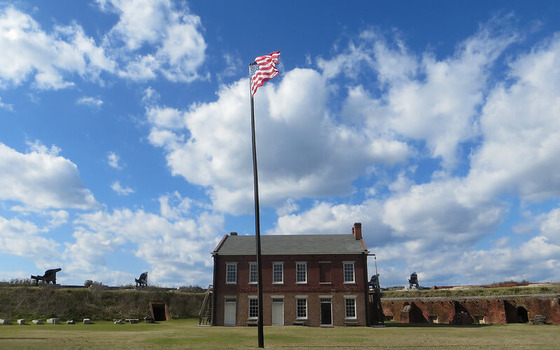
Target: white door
column 230, row 310
column 277, row 312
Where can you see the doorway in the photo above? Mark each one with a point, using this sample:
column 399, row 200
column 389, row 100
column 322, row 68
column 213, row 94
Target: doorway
column 277, row 311
column 522, row 315
column 230, row 311
column 326, row 312
column 159, row 311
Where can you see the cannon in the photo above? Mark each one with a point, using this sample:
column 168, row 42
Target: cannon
column 142, row 281
column 49, row 276
column 413, row 281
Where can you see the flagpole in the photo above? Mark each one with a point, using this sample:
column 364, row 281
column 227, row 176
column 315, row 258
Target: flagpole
column 257, row 221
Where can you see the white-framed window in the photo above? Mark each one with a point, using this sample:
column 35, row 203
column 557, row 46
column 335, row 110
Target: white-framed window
column 350, row 307
column 301, row 272
column 301, row 307
column 278, row 272
column 231, row 273
column 348, row 268
column 253, row 274
column 253, row 307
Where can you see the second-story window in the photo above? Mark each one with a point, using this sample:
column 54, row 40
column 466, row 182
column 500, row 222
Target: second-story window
column 231, row 273
column 253, row 277
column 301, row 272
column 278, row 272
column 348, row 267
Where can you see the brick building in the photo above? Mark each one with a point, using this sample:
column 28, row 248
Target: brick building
column 315, row 280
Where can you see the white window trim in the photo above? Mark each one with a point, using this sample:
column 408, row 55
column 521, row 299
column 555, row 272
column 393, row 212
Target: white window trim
column 353, row 272
column 302, row 297
column 353, row 297
column 278, row 263
column 252, row 297
column 231, row 264
column 305, row 264
column 253, row 264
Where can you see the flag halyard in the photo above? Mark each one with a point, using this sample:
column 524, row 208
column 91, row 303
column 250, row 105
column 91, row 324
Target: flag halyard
column 266, row 70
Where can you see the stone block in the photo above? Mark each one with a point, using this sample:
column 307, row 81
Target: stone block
column 53, row 321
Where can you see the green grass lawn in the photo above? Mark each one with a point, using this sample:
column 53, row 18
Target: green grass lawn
column 184, row 334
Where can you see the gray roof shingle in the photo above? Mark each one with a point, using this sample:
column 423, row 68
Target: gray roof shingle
column 291, row 245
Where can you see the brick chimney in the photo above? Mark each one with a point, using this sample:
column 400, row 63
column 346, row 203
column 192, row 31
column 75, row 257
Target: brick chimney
column 357, row 231
column 233, row 233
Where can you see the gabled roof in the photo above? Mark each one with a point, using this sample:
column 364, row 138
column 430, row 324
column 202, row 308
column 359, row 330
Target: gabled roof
column 291, row 245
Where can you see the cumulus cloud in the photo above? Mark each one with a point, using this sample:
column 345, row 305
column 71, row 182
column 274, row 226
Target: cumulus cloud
column 550, row 226
column 176, row 248
column 303, row 151
column 150, row 39
column 49, row 58
column 520, row 128
column 6, row 106
column 436, row 227
column 422, row 97
column 170, row 34
column 90, row 102
column 24, row 239
column 41, row 178
column 113, row 160
column 120, row 190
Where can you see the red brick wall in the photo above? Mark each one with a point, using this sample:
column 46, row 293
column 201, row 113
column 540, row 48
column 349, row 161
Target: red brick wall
column 477, row 310
column 313, row 289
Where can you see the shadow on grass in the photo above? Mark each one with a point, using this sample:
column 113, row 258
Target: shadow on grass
column 432, row 325
column 371, row 346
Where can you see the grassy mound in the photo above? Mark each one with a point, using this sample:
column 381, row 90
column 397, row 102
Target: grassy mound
column 98, row 304
column 480, row 291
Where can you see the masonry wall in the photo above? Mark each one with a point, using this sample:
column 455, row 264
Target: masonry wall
column 472, row 310
column 314, row 289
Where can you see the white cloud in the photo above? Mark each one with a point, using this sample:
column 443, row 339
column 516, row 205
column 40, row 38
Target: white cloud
column 22, row 238
column 48, row 58
column 121, row 191
column 173, row 35
column 6, row 106
column 174, row 206
column 550, row 226
column 113, row 160
column 42, row 179
column 303, row 152
column 177, row 248
column 521, row 130
column 90, row 102
column 422, row 98
column 232, row 64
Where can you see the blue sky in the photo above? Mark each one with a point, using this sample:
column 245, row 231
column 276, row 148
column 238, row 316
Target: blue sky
column 125, row 135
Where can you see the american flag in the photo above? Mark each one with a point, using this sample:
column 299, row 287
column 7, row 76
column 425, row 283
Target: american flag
column 265, row 70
